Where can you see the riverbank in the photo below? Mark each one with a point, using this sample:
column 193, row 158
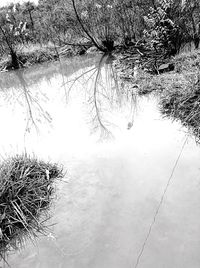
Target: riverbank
column 176, row 80
column 180, row 98
column 36, row 54
column 177, row 83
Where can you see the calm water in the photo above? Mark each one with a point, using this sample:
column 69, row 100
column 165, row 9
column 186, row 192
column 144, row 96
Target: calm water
column 119, row 154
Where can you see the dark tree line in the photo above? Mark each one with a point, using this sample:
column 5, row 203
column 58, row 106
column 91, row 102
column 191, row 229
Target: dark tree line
column 163, row 24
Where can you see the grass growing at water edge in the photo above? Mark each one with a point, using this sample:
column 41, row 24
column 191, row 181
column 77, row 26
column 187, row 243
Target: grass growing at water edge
column 26, row 192
column 178, row 90
column 180, row 98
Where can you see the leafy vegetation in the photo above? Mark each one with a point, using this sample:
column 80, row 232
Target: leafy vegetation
column 158, row 25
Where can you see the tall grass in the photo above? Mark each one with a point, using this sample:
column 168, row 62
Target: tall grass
column 181, row 95
column 26, row 192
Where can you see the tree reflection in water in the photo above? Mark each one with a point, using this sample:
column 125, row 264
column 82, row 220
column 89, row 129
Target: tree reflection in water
column 94, row 78
column 32, row 104
column 106, row 94
column 35, row 114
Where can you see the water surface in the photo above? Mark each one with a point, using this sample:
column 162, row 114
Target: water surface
column 118, row 153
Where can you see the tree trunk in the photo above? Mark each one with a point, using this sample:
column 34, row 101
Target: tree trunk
column 197, row 37
column 196, row 41
column 85, row 30
column 14, row 60
column 31, row 19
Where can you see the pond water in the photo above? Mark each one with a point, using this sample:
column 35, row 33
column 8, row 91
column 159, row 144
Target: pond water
column 131, row 194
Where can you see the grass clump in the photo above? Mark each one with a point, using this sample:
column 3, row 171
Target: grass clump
column 180, row 98
column 184, row 104
column 26, row 188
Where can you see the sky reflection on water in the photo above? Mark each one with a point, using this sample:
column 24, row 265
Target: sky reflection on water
column 118, row 152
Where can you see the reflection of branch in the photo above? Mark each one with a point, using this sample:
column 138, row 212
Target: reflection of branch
column 63, row 79
column 107, row 93
column 75, row 80
column 116, row 83
column 30, row 118
column 133, row 110
column 104, row 131
column 30, row 102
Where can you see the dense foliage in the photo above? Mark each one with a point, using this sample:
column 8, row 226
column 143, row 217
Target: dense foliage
column 163, row 24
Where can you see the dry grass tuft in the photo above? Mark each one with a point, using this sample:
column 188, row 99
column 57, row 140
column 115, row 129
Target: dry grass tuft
column 26, row 188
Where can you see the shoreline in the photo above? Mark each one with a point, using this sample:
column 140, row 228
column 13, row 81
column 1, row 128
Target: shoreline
column 176, row 80
column 40, row 54
column 178, row 89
